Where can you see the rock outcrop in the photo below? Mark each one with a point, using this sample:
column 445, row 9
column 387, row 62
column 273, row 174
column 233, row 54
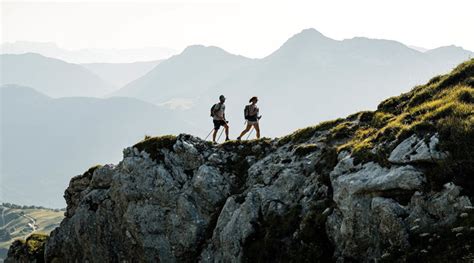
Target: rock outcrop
column 385, row 186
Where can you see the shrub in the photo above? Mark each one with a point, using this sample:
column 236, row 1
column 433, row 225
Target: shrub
column 29, row 250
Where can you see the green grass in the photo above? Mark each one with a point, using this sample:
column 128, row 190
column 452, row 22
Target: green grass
column 31, row 249
column 17, row 225
column 444, row 104
column 304, row 134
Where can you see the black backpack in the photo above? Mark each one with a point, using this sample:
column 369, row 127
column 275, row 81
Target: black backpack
column 214, row 108
column 247, row 112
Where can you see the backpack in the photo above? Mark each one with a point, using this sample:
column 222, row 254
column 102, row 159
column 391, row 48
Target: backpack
column 247, row 112
column 214, row 108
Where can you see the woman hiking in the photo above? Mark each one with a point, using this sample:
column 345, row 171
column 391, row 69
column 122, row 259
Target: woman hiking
column 251, row 115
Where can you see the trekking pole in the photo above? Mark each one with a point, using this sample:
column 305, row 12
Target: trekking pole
column 218, row 138
column 251, row 130
column 209, row 134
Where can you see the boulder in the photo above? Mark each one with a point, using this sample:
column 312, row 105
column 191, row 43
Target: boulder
column 415, row 149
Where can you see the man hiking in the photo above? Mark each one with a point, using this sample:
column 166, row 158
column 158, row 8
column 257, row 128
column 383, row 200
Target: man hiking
column 251, row 112
column 218, row 118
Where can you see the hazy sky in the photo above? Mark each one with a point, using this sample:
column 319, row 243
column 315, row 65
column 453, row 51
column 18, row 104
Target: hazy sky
column 247, row 27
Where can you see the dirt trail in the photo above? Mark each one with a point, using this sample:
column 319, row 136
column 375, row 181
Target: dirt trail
column 32, row 224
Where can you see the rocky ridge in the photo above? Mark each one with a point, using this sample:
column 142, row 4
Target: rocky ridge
column 392, row 185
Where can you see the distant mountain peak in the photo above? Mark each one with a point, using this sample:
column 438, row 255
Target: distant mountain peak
column 207, row 52
column 309, row 34
column 306, row 39
column 376, row 41
column 451, row 50
column 37, row 56
column 14, row 91
column 448, row 48
column 311, row 30
column 202, row 48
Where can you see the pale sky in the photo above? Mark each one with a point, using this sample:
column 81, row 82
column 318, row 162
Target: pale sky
column 248, row 27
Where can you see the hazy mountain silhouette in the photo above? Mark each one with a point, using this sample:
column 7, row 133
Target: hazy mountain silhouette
column 51, row 76
column 120, row 74
column 45, row 140
column 89, row 55
column 449, row 54
column 310, row 78
column 309, row 74
column 188, row 75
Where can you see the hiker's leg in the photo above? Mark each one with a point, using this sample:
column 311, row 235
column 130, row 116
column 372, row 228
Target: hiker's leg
column 214, row 133
column 246, row 130
column 257, row 129
column 226, row 127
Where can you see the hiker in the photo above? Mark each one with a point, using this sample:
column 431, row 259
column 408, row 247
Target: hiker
column 251, row 116
column 218, row 118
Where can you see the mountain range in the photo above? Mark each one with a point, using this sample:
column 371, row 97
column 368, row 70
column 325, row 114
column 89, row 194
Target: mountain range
column 56, row 137
column 390, row 185
column 51, row 76
column 58, row 78
column 87, row 55
column 309, row 73
column 120, row 74
column 310, row 78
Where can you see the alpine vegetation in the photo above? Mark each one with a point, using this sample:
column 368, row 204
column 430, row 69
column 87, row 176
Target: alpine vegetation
column 390, row 185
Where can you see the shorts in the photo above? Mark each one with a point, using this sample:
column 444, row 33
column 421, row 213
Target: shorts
column 218, row 124
column 252, row 122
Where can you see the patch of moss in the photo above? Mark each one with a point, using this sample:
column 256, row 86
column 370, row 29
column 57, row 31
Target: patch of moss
column 252, row 142
column 435, row 107
column 91, row 170
column 342, row 130
column 304, row 134
column 364, row 116
column 305, row 149
column 470, row 82
column 153, row 145
column 29, row 250
column 381, row 119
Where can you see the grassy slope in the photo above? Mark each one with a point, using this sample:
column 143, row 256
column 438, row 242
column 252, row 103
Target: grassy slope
column 46, row 221
column 444, row 105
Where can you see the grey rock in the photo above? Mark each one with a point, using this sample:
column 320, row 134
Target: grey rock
column 414, row 149
column 238, row 202
column 349, row 180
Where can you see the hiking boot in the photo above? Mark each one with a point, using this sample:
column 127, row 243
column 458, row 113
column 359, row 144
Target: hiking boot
column 238, row 138
column 227, row 139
